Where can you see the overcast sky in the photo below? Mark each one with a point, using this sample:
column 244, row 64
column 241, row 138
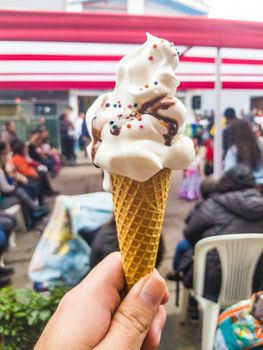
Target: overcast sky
column 251, row 10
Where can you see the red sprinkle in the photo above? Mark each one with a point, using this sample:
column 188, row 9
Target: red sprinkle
column 141, row 126
column 129, row 106
column 140, row 119
column 128, row 126
column 154, row 46
column 150, row 58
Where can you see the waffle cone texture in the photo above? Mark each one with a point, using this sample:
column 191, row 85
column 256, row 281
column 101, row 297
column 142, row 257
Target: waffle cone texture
column 139, row 212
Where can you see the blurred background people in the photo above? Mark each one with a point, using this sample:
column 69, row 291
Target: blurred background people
column 230, row 117
column 13, row 194
column 35, row 152
column 235, row 207
column 67, row 139
column 34, row 172
column 190, row 186
column 9, row 134
column 208, row 157
column 244, row 148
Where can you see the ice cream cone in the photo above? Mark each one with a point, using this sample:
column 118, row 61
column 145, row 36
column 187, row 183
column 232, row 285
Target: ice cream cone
column 139, row 212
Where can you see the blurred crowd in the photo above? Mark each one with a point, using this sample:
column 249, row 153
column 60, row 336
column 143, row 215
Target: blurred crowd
column 242, row 144
column 231, row 205
column 26, row 170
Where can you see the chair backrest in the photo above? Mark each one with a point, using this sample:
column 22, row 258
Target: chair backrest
column 239, row 254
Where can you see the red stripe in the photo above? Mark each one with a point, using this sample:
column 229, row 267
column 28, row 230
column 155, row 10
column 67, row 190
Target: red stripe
column 187, row 85
column 241, row 61
column 102, row 58
column 113, row 74
column 37, row 57
column 197, row 59
column 242, row 85
column 224, row 60
column 56, row 85
column 109, row 85
column 54, row 73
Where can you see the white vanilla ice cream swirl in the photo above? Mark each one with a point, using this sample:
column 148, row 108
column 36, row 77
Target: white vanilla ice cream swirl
column 137, row 129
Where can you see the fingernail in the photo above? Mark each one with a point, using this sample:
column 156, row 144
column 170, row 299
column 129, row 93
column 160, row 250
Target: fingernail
column 153, row 291
column 159, row 337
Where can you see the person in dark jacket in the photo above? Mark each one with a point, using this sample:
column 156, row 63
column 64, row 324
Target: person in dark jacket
column 207, row 188
column 236, row 207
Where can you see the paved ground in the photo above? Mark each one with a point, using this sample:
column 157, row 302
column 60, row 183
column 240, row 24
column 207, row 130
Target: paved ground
column 83, row 179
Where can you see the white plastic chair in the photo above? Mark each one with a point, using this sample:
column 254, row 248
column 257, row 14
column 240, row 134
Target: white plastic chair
column 16, row 210
column 239, row 254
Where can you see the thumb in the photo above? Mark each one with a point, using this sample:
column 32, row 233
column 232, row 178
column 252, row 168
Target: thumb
column 135, row 315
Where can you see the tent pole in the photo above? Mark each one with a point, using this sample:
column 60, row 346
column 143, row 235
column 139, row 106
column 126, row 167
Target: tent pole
column 218, row 128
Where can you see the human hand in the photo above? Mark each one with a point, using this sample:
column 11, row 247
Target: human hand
column 93, row 316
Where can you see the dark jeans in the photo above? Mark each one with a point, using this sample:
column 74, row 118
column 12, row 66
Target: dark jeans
column 31, row 188
column 45, row 184
column 68, row 145
column 180, row 249
column 7, row 225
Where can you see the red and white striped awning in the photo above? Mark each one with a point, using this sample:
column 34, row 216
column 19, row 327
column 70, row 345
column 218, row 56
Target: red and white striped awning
column 80, row 51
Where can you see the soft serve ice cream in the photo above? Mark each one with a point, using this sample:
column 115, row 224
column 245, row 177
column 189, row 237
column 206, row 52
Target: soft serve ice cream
column 137, row 129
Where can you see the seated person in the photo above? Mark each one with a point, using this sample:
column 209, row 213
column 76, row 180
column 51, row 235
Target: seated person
column 7, row 225
column 31, row 210
column 35, row 174
column 235, row 207
column 35, row 152
column 49, row 152
column 207, row 188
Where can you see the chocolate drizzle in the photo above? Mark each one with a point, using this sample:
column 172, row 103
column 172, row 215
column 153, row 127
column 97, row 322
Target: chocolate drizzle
column 96, row 134
column 116, row 131
column 152, row 106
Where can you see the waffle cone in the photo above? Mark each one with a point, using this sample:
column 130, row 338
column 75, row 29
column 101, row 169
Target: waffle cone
column 139, row 212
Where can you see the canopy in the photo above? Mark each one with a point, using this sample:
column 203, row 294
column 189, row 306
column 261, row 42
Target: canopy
column 65, row 27
column 122, row 28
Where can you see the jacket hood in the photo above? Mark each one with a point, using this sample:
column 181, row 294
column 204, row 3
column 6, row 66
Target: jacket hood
column 247, row 204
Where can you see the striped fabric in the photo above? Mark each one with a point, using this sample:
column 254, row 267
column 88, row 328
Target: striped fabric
column 65, row 51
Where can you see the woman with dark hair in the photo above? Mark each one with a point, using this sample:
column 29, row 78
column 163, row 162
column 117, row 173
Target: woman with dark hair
column 244, row 149
column 236, row 207
column 13, row 194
